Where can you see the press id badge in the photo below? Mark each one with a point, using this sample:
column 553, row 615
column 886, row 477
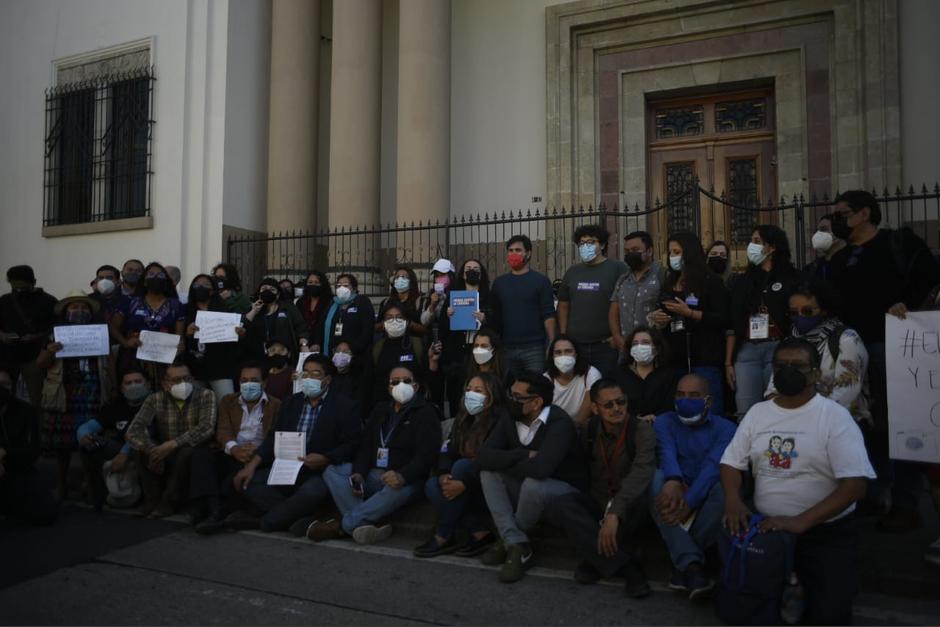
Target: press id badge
column 381, row 457
column 339, row 329
column 760, row 327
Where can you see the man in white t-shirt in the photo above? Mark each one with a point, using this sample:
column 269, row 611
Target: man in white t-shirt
column 810, row 466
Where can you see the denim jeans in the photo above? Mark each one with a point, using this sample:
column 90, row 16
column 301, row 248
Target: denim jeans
column 716, row 386
column 527, row 357
column 601, row 356
column 752, row 370
column 467, row 510
column 688, row 547
column 283, row 505
column 517, row 505
column 378, row 502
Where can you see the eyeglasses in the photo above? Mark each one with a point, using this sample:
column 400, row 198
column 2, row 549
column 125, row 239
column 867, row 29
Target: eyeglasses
column 405, row 380
column 312, row 375
column 522, row 398
column 395, row 318
column 591, row 240
column 619, row 402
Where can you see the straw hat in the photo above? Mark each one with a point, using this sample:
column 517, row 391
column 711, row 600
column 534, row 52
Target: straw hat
column 76, row 296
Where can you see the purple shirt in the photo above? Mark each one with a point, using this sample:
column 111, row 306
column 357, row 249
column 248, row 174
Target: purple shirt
column 138, row 316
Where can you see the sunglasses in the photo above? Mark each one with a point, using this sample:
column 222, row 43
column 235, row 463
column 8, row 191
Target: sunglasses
column 619, row 402
column 405, row 380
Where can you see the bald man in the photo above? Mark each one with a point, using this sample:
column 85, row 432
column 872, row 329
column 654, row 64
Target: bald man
column 690, row 441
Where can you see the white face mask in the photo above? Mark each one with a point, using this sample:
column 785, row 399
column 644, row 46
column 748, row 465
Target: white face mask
column 181, row 391
column 395, row 327
column 343, row 294
column 403, row 392
column 474, row 402
column 564, row 363
column 642, row 353
column 755, row 253
column 482, row 355
column 822, row 241
column 104, row 286
column 298, row 292
column 675, row 262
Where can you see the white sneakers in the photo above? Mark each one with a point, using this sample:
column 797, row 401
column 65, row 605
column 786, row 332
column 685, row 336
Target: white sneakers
column 370, row 534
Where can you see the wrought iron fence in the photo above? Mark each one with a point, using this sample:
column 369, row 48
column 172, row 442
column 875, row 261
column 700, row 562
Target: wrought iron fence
column 373, row 253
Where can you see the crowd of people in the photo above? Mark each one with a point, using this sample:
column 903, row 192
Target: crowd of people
column 684, row 395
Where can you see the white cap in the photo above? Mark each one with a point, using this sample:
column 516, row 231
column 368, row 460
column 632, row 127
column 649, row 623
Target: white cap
column 444, row 266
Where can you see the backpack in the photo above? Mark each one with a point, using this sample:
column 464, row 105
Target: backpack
column 755, row 569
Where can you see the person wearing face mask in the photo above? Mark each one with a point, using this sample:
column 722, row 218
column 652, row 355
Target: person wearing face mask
column 719, row 261
column 584, row 298
column 455, row 490
column 157, row 310
column 24, row 495
column 313, row 305
column 759, row 315
column 245, row 418
column 132, row 279
column 171, row 422
column 213, row 364
column 75, row 388
column 636, row 293
column 530, row 459
column 405, row 292
column 351, row 319
column 331, row 428
column 485, row 356
column 809, row 488
column 523, row 306
column 397, row 346
column 280, row 364
column 352, row 378
column 107, row 292
column 825, row 246
column 398, row 449
column 695, row 313
column 229, row 287
column 286, row 291
column 271, row 318
column 602, row 522
column 27, row 315
column 843, row 359
column 690, row 440
column 175, row 276
column 646, row 378
column 572, row 377
column 101, row 439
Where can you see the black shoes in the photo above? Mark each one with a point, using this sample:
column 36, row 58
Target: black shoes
column 586, row 574
column 472, row 547
column 699, row 584
column 635, row 584
column 433, row 548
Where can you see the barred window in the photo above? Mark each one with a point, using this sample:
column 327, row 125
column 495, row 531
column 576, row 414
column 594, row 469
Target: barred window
column 97, row 142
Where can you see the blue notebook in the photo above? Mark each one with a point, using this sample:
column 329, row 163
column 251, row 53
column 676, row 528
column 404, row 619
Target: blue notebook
column 465, row 303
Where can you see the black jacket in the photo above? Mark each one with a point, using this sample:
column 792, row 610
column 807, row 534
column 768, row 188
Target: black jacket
column 756, row 288
column 453, row 452
column 19, row 435
column 413, row 443
column 559, row 456
column 706, row 337
column 358, row 318
column 335, row 433
column 653, row 395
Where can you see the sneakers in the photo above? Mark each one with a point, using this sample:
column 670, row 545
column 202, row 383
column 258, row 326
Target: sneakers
column 473, row 547
column 899, row 520
column 299, row 527
column 792, row 605
column 932, row 554
column 495, row 555
column 635, row 584
column 586, row 574
column 698, row 582
column 433, row 548
column 370, row 534
column 518, row 560
column 678, row 581
column 326, row 530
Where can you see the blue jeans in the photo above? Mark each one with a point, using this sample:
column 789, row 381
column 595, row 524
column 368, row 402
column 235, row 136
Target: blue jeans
column 378, row 502
column 467, row 510
column 716, row 386
column 688, row 547
column 527, row 357
column 752, row 370
column 601, row 356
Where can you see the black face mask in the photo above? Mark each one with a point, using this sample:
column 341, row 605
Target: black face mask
column 718, row 264
column 221, row 284
column 515, row 410
column 840, row 227
column 131, row 278
column 287, row 293
column 277, row 361
column 472, row 277
column 156, row 285
column 634, row 260
column 313, row 291
column 201, row 293
column 267, row 297
column 788, row 380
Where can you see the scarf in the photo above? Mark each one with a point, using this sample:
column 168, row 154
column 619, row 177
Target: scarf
column 818, row 335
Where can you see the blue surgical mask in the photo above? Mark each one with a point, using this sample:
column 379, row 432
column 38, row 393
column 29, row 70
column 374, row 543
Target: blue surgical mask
column 588, row 252
column 402, row 284
column 690, row 410
column 473, row 402
column 312, row 388
column 675, row 262
column 755, row 253
column 805, row 324
column 251, row 391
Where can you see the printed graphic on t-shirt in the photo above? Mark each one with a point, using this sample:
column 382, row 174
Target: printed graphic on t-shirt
column 781, row 451
column 589, row 286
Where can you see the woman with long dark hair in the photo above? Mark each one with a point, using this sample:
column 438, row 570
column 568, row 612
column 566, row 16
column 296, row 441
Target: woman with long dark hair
column 646, row 376
column 760, row 315
column 228, row 284
column 694, row 314
column 215, row 364
column 405, row 291
column 572, row 376
column 313, row 306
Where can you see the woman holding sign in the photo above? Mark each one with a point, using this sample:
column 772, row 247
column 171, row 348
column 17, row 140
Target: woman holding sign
column 75, row 388
column 216, row 363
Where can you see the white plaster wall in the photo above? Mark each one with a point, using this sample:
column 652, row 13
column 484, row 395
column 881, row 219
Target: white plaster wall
column 920, row 91
column 497, row 104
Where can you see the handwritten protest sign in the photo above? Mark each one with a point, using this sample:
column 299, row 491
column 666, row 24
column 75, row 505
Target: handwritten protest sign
column 158, row 347
column 912, row 349
column 82, row 340
column 298, row 386
column 217, row 326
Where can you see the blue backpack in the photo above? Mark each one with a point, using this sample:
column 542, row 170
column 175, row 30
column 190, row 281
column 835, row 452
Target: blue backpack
column 754, row 572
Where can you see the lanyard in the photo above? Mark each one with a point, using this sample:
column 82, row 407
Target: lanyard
column 385, row 437
column 610, row 459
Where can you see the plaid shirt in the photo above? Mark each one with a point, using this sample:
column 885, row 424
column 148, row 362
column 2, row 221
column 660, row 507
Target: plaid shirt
column 160, row 420
column 308, row 417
